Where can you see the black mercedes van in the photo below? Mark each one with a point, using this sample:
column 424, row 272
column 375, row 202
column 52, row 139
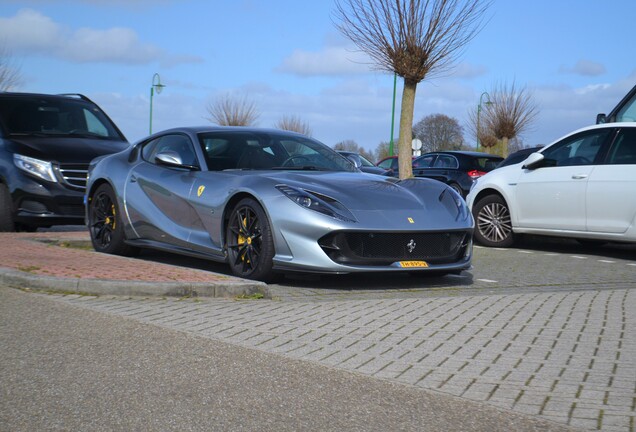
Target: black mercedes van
column 46, row 144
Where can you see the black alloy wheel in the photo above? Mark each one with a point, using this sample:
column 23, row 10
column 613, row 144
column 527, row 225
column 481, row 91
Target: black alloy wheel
column 104, row 223
column 250, row 245
column 493, row 223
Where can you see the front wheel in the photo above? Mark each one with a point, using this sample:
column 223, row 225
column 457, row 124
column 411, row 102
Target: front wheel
column 250, row 245
column 7, row 224
column 104, row 223
column 493, row 223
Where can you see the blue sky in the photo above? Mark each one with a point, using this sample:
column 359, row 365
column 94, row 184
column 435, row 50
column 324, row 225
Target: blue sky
column 576, row 58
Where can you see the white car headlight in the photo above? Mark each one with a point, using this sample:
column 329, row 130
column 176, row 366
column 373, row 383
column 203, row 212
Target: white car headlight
column 36, row 167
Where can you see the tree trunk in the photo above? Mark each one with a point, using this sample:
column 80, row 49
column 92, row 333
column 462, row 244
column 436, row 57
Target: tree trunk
column 405, row 151
column 501, row 148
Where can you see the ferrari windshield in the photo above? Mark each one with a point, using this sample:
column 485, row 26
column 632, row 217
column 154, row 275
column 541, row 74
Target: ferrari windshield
column 268, row 150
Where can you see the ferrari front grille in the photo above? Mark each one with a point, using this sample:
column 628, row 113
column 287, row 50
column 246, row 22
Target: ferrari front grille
column 372, row 248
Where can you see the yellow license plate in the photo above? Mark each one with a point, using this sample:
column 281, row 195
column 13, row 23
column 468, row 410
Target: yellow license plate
column 412, row 264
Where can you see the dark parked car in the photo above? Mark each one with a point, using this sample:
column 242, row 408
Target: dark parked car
column 625, row 111
column 458, row 169
column 519, row 156
column 46, row 144
column 363, row 164
column 390, row 164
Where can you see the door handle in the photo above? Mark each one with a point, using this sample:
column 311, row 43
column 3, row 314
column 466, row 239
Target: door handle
column 579, row 176
column 133, row 179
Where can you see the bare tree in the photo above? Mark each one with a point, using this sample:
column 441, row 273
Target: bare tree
column 382, row 150
column 293, row 123
column 439, row 132
column 10, row 76
column 232, row 111
column 414, row 39
column 511, row 112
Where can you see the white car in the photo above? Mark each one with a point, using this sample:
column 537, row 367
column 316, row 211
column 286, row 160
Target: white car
column 582, row 186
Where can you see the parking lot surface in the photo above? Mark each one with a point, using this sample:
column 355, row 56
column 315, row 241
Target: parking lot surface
column 546, row 330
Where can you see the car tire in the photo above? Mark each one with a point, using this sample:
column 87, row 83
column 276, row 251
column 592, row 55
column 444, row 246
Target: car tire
column 104, row 224
column 457, row 188
column 6, row 205
column 249, row 242
column 493, row 226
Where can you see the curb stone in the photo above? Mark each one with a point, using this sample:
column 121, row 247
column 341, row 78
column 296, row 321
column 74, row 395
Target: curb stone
column 226, row 289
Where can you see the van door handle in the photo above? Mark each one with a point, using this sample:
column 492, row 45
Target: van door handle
column 579, row 176
column 133, row 179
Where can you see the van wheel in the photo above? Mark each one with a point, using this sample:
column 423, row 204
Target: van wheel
column 6, row 209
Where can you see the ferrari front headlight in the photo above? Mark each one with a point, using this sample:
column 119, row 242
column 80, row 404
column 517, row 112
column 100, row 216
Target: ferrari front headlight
column 317, row 202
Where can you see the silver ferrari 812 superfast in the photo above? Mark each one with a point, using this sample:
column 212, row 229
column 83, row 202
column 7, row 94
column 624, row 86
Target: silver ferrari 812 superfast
column 268, row 202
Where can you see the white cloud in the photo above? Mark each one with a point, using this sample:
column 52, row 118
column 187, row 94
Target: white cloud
column 584, row 68
column 332, row 61
column 32, row 32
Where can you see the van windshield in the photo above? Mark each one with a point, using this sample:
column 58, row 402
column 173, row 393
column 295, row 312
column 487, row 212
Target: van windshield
column 44, row 116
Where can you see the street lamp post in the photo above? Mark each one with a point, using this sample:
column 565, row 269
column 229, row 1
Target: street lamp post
column 487, row 102
column 156, row 85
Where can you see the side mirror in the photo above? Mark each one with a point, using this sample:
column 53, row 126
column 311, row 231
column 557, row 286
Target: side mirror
column 533, row 161
column 355, row 160
column 601, row 118
column 169, row 158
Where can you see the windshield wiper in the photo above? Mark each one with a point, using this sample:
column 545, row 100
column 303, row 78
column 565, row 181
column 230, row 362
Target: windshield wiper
column 300, row 168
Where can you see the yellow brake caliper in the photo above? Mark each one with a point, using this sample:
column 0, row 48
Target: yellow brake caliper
column 244, row 239
column 110, row 221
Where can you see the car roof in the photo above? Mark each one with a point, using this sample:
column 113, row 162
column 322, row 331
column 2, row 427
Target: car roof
column 18, row 95
column 613, row 125
column 216, row 128
column 462, row 153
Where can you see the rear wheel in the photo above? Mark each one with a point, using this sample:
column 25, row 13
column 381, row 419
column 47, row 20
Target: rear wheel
column 493, row 223
column 250, row 245
column 457, row 188
column 6, row 205
column 104, row 224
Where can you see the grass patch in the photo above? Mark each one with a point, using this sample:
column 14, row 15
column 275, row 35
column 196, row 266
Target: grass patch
column 255, row 296
column 29, row 269
column 79, row 244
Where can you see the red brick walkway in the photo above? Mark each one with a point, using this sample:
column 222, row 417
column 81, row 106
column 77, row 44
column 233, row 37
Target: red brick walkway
column 23, row 251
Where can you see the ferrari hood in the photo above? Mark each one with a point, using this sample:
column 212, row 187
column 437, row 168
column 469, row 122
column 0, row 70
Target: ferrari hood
column 359, row 191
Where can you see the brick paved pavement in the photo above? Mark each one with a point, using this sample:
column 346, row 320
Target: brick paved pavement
column 569, row 357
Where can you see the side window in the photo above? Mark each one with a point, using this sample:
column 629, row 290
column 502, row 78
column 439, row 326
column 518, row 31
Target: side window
column 179, row 144
column 628, row 112
column 93, row 124
column 446, row 161
column 386, row 164
column 580, row 149
column 424, row 161
column 624, row 149
column 148, row 150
